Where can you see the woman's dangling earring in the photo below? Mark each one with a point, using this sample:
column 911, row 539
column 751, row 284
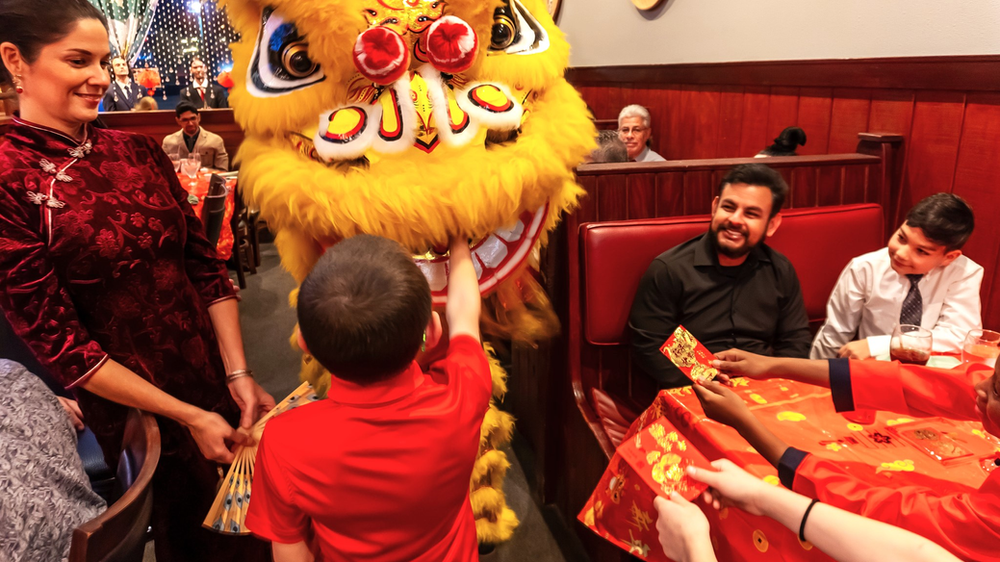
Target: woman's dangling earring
column 17, row 84
column 423, row 346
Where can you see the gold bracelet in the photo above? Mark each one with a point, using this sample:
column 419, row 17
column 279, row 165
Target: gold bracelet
column 238, row 373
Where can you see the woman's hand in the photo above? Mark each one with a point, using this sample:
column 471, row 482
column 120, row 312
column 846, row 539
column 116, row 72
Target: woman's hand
column 730, row 485
column 253, row 400
column 736, row 362
column 683, row 530
column 723, row 405
column 73, row 411
column 211, row 433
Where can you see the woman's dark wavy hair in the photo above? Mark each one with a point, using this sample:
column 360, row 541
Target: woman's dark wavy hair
column 33, row 24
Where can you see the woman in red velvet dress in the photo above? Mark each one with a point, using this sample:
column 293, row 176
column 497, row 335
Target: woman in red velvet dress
column 106, row 273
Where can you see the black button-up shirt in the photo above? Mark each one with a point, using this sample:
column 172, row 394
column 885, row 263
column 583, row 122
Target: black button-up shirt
column 756, row 306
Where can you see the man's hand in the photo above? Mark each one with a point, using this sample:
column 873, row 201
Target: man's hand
column 253, row 400
column 855, row 350
column 730, row 485
column 73, row 411
column 211, row 433
column 683, row 530
column 723, row 405
column 736, row 362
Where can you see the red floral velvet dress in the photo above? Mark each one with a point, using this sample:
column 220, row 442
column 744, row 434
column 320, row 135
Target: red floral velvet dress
column 101, row 256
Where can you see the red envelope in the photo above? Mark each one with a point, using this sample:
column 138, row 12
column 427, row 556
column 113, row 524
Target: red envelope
column 651, row 462
column 692, row 358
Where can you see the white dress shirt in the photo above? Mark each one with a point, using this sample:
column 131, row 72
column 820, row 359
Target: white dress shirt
column 648, row 155
column 869, row 295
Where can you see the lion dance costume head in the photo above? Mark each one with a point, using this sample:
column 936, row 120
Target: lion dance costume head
column 420, row 121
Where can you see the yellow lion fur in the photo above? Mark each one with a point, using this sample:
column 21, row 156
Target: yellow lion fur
column 418, row 199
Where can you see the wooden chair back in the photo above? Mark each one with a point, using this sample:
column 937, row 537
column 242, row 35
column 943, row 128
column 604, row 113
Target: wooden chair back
column 119, row 534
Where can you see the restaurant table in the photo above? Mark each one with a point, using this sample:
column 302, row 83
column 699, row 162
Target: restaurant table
column 199, row 191
column 882, row 453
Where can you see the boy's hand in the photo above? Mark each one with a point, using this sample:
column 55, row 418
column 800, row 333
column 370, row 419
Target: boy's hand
column 730, row 485
column 855, row 350
column 464, row 301
column 723, row 405
column 736, row 362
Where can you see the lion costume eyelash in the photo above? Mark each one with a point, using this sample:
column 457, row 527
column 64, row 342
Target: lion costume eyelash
column 486, row 153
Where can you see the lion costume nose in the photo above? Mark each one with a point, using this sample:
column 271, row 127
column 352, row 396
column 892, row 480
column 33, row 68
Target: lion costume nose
column 381, row 55
column 451, row 45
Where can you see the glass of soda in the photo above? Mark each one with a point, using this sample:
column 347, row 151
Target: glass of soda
column 910, row 344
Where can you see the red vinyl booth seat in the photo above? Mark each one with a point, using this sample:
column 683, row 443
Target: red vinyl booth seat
column 819, row 241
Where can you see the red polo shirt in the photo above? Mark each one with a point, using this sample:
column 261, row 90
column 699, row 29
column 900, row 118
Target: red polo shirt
column 965, row 522
column 378, row 472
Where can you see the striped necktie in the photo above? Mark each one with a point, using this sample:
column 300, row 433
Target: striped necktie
column 913, row 305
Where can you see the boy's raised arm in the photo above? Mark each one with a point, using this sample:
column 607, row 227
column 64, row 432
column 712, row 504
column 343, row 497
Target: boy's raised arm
column 464, row 301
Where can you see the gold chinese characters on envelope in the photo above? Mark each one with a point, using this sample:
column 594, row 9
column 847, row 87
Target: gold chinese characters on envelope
column 692, row 358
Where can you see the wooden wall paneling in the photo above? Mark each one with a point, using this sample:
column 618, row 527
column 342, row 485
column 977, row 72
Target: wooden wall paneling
column 641, row 196
column 612, row 197
column 782, row 111
column 698, row 193
column 892, row 112
column 933, row 146
column 730, row 122
column 588, row 203
column 699, row 124
column 854, row 184
column 669, row 194
column 829, row 189
column 670, row 138
column 815, row 107
column 802, row 182
column 848, row 117
column 975, row 181
column 753, row 136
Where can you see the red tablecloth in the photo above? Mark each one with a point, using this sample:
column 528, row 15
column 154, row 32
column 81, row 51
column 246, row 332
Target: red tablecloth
column 225, row 244
column 803, row 416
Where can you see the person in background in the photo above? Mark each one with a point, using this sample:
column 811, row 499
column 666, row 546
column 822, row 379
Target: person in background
column 44, row 491
column 844, row 536
column 634, row 130
column 147, row 103
column 919, row 278
column 202, row 93
column 785, row 144
column 106, row 275
column 727, row 287
column 193, row 138
column 380, row 469
column 124, row 93
column 965, row 521
column 610, row 148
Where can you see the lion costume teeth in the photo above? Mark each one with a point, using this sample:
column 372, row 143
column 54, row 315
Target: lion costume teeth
column 482, row 145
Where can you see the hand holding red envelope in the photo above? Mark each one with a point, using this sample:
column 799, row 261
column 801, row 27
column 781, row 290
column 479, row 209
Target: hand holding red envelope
column 652, row 461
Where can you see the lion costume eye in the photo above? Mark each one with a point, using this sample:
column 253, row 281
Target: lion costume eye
column 281, row 62
column 516, row 32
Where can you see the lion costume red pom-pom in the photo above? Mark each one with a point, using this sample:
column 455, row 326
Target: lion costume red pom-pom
column 381, row 56
column 451, row 45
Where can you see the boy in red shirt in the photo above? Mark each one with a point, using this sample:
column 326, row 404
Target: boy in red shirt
column 380, row 470
column 967, row 523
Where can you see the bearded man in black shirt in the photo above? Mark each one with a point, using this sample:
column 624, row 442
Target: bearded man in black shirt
column 727, row 287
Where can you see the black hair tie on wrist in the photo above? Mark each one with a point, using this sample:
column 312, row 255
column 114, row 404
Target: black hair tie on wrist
column 802, row 526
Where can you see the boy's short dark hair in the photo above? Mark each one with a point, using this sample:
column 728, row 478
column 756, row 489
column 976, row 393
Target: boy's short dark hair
column 184, row 107
column 363, row 309
column 946, row 219
column 762, row 175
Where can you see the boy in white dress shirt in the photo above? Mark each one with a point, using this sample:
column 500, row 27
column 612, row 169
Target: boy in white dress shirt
column 920, row 278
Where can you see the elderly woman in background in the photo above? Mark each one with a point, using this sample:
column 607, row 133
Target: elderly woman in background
column 105, row 272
